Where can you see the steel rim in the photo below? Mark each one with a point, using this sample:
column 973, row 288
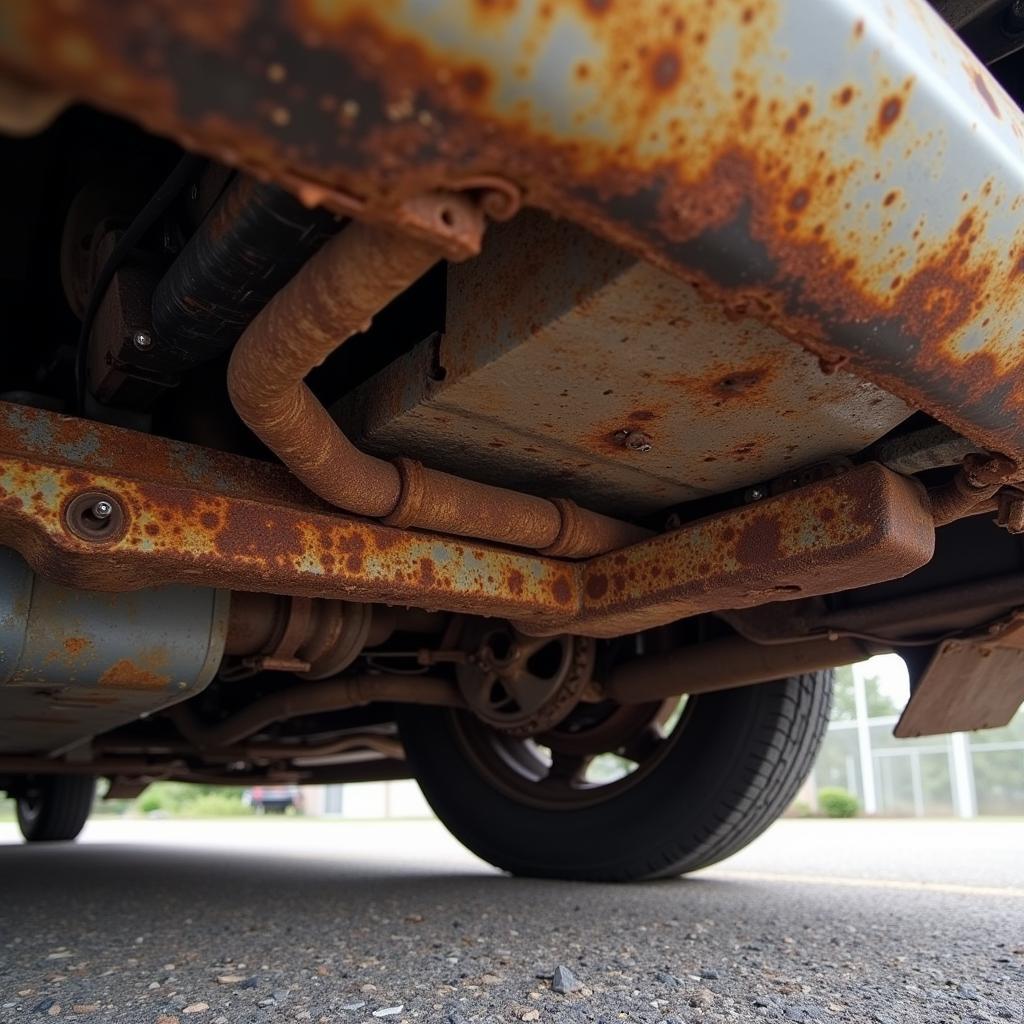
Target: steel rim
column 563, row 768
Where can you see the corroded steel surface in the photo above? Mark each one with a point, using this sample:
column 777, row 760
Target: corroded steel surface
column 224, row 521
column 243, row 527
column 70, row 669
column 556, row 344
column 843, row 170
column 844, row 532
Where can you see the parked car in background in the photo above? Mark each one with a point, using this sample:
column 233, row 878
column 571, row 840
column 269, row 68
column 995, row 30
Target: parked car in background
column 274, row 799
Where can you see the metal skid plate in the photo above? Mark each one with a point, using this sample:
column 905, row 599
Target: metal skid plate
column 74, row 663
column 569, row 368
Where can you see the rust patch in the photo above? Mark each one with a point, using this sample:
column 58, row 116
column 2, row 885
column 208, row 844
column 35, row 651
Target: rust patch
column 760, row 542
column 983, row 91
column 126, row 675
column 562, row 590
column 889, row 113
column 740, row 383
column 76, row 645
column 666, row 70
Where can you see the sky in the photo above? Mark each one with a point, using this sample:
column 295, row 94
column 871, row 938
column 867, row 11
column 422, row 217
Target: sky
column 893, row 680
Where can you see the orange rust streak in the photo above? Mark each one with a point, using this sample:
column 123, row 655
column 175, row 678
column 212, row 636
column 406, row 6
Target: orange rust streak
column 126, row 675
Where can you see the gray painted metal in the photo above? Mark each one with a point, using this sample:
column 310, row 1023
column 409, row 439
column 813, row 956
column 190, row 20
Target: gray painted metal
column 75, row 663
column 560, row 349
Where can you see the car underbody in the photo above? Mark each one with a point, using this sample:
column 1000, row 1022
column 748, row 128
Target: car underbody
column 538, row 380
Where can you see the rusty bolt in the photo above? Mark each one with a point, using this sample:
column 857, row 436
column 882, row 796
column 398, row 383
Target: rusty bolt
column 142, row 340
column 634, row 440
column 94, row 516
column 756, row 494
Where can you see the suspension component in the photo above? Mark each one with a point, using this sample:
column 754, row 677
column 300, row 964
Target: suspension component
column 522, row 685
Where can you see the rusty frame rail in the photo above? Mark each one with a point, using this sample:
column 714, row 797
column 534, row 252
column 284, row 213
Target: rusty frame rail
column 800, row 162
column 207, row 518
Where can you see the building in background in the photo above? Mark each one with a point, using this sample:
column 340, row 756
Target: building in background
column 401, row 799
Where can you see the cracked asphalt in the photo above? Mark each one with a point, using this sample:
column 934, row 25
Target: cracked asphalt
column 270, row 922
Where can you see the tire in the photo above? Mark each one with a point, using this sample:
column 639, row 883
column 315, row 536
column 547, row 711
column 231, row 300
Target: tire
column 54, row 808
column 736, row 762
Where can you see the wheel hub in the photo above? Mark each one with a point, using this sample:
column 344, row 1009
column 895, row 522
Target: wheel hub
column 523, row 685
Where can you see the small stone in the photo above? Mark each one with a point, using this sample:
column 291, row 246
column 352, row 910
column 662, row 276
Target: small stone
column 388, row 1011
column 563, row 980
column 968, row 992
column 702, row 998
column 531, row 1015
column 490, row 979
column 43, row 1005
column 54, row 1011
column 664, row 978
column 280, row 995
column 85, row 1007
column 248, row 983
column 358, row 1005
column 166, row 1018
column 230, row 979
column 196, row 1008
column 709, row 974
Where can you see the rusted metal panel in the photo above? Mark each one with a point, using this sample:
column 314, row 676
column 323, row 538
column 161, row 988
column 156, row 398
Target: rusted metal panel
column 560, row 349
column 971, row 682
column 842, row 170
column 834, row 535
column 75, row 663
column 248, row 530
column 192, row 515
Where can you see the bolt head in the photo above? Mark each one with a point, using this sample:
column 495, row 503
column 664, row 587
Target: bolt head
column 142, row 340
column 756, row 493
column 102, row 510
column 634, row 440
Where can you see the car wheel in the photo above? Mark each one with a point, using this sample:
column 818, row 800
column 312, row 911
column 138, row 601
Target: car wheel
column 54, row 808
column 621, row 793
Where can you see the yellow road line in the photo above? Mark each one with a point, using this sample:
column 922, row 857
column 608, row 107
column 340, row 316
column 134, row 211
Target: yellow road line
column 866, row 883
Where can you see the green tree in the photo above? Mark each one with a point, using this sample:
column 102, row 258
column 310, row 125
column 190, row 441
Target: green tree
column 844, row 707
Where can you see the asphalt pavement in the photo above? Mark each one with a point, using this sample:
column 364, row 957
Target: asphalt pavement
column 270, row 922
